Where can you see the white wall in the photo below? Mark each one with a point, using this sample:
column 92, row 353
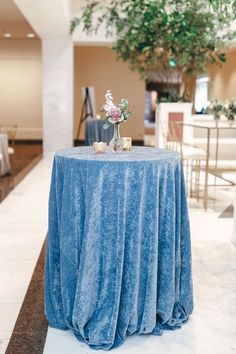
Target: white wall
column 21, row 86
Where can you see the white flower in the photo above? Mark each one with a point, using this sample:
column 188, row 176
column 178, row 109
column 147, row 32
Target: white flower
column 109, row 103
column 109, row 98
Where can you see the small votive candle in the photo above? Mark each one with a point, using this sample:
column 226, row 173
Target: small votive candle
column 99, row 147
column 127, row 141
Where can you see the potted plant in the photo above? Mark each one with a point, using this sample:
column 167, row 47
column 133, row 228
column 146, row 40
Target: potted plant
column 230, row 110
column 216, row 108
column 172, row 40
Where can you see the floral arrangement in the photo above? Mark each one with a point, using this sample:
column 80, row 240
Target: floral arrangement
column 175, row 97
column 115, row 113
column 216, row 108
column 230, row 109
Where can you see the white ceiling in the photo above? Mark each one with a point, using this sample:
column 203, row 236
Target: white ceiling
column 12, row 21
column 76, row 6
column 50, row 18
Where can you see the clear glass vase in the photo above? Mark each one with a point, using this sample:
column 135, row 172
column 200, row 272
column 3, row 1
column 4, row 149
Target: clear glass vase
column 231, row 119
column 116, row 144
column 217, row 119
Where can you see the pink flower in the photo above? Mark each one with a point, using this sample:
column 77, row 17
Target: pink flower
column 115, row 113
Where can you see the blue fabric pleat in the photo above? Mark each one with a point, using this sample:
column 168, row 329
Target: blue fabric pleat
column 118, row 256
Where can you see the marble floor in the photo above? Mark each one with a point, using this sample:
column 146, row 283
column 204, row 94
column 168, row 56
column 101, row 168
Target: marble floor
column 212, row 327
column 25, row 157
column 23, row 225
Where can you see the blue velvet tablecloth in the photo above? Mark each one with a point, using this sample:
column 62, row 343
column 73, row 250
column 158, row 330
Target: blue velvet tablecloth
column 94, row 131
column 118, row 250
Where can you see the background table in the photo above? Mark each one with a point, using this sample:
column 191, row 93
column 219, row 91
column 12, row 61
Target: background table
column 94, row 131
column 210, row 127
column 118, row 252
column 5, row 167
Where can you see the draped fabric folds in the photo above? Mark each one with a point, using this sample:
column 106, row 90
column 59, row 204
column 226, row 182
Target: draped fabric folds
column 94, row 131
column 118, row 251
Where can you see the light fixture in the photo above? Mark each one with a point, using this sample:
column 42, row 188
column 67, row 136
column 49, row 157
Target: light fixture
column 30, row 35
column 7, row 35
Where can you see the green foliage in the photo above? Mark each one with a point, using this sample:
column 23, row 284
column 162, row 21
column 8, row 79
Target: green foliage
column 106, row 125
column 216, row 108
column 175, row 97
column 153, row 35
column 230, row 109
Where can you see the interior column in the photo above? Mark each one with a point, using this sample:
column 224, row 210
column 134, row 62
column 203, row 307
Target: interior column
column 57, row 94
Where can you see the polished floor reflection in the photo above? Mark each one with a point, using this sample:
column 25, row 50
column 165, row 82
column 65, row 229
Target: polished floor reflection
column 25, row 158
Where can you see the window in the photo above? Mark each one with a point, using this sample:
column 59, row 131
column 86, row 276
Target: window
column 201, row 94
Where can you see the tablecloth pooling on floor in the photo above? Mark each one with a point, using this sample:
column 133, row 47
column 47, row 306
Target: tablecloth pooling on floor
column 118, row 252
